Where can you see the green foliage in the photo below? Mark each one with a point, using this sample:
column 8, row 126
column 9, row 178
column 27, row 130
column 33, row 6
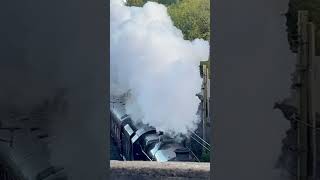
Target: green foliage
column 138, row 3
column 192, row 17
column 313, row 7
column 165, row 2
column 205, row 157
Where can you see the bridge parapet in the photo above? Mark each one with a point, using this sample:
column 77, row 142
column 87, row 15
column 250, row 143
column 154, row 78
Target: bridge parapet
column 146, row 170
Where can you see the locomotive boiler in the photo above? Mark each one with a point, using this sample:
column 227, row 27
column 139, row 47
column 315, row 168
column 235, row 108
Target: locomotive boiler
column 138, row 141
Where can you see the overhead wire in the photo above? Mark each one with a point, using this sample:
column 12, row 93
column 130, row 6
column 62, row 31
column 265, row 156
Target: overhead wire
column 201, row 144
column 201, row 138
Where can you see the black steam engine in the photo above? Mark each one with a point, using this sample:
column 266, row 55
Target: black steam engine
column 138, row 141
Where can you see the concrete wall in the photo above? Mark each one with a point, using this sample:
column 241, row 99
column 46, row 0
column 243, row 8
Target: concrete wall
column 145, row 170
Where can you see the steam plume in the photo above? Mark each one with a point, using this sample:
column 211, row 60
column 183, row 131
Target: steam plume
column 150, row 58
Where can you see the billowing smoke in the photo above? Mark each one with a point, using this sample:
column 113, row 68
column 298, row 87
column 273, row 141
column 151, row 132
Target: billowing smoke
column 150, row 58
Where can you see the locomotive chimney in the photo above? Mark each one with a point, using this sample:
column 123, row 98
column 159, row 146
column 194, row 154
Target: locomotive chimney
column 182, row 154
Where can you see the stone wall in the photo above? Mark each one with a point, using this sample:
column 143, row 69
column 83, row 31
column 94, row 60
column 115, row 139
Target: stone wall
column 145, row 170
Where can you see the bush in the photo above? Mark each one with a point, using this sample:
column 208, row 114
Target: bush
column 205, row 157
column 192, row 17
column 313, row 7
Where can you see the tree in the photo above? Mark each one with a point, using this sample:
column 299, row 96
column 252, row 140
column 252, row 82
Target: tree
column 138, row 3
column 192, row 17
column 313, row 7
column 205, row 157
column 166, row 2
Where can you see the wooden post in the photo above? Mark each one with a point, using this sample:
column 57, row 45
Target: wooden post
column 314, row 80
column 204, row 86
column 302, row 129
column 308, row 101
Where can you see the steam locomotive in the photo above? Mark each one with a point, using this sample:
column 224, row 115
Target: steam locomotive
column 138, row 141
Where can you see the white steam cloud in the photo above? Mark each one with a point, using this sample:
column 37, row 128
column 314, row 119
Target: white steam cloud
column 150, row 58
